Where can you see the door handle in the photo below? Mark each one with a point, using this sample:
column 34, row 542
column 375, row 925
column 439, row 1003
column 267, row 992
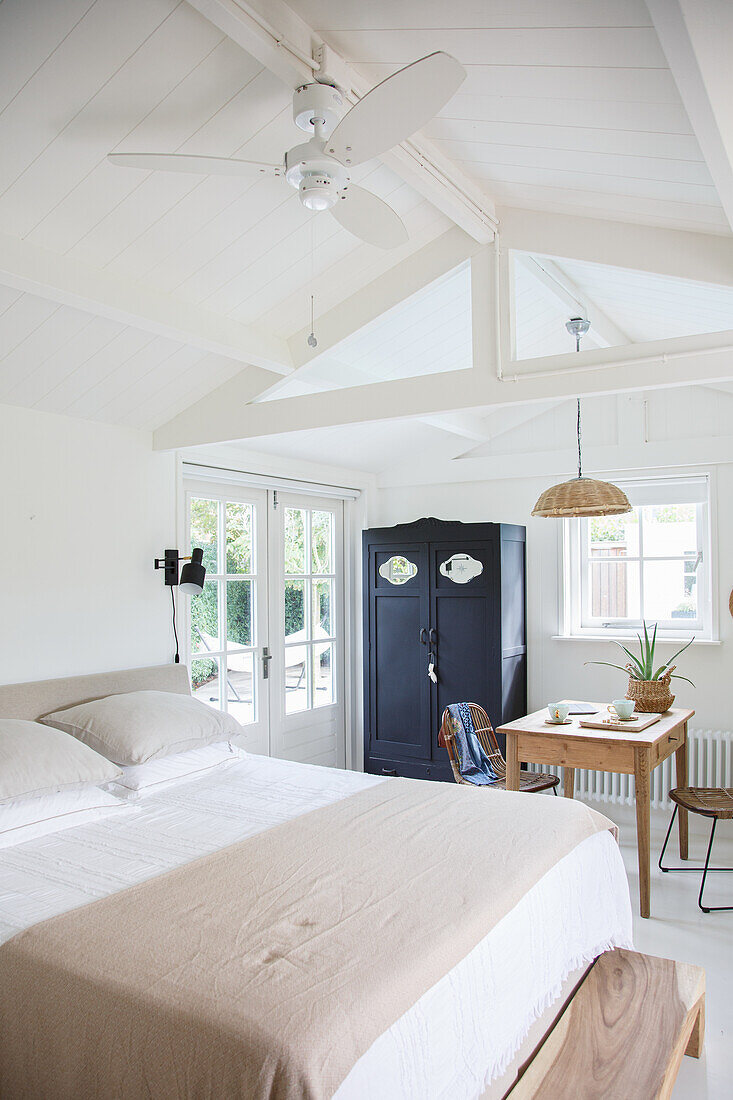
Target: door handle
column 423, row 636
column 266, row 658
column 433, row 635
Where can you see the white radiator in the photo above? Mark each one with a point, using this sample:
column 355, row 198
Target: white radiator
column 709, row 764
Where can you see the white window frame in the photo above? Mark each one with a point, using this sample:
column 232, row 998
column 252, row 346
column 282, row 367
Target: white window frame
column 576, row 587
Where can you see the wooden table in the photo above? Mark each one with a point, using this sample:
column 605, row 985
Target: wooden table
column 628, row 752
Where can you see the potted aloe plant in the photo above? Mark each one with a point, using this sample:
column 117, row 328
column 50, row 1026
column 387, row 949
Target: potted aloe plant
column 648, row 685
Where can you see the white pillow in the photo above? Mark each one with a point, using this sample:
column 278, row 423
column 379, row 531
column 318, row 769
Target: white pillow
column 143, row 725
column 51, row 813
column 35, row 760
column 168, row 771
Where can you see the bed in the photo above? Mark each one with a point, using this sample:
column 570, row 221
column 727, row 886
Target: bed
column 441, row 996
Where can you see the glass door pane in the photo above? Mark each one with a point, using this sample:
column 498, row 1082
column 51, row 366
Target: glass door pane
column 306, row 689
column 228, row 621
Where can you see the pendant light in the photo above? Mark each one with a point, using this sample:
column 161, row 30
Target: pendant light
column 583, row 496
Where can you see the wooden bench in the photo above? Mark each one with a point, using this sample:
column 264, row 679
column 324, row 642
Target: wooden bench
column 623, row 1034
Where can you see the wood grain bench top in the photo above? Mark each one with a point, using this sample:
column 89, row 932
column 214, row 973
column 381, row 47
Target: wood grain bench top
column 623, row 1034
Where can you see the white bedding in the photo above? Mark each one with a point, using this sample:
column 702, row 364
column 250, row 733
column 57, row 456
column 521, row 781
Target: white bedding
column 463, row 1032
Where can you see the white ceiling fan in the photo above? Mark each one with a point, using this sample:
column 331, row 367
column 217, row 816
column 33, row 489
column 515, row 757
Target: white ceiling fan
column 319, row 169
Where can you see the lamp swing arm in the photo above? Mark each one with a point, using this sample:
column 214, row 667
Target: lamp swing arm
column 192, row 575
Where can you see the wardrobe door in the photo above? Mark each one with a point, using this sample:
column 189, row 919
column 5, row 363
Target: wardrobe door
column 465, row 602
column 397, row 659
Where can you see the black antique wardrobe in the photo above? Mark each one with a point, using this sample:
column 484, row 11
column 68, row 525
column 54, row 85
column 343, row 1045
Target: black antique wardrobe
column 444, row 622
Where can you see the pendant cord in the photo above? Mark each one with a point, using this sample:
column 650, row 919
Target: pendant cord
column 580, row 457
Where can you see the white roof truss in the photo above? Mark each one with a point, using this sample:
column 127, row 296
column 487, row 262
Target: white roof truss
column 603, row 333
column 71, row 282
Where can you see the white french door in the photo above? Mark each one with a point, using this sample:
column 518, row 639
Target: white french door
column 306, row 628
column 265, row 639
column 228, row 621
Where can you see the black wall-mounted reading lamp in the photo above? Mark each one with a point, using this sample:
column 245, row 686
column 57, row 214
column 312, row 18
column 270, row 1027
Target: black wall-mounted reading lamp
column 191, row 580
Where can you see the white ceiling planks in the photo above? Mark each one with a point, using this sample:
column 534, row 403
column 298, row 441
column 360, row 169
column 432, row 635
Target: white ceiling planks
column 428, row 332
column 63, row 360
column 325, row 15
column 162, row 77
column 566, row 106
column 184, row 122
column 653, row 307
column 338, row 272
column 35, row 125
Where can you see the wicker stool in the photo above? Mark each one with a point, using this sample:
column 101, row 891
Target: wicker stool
column 714, row 802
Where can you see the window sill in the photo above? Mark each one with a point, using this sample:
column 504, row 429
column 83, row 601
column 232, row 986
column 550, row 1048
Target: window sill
column 630, row 638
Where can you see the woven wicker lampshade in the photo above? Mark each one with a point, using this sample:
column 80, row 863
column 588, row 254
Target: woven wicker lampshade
column 583, row 496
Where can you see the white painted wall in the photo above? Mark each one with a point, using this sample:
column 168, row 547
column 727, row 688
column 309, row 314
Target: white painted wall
column 556, row 668
column 85, row 508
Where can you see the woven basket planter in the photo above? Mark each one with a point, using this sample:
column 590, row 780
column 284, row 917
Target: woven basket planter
column 651, row 696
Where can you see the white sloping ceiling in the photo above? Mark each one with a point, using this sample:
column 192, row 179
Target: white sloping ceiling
column 653, row 307
column 64, row 360
column 428, row 332
column 567, row 106
column 155, row 75
column 642, row 306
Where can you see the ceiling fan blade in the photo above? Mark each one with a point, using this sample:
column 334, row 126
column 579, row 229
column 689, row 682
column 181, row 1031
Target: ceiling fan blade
column 204, row 166
column 370, row 218
column 396, row 108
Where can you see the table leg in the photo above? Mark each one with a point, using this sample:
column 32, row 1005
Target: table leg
column 681, row 766
column 512, row 762
column 568, row 782
column 643, row 812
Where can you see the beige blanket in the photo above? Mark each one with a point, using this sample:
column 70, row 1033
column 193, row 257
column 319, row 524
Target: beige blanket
column 267, row 969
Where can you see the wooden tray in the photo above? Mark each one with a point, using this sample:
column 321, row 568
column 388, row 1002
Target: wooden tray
column 597, row 723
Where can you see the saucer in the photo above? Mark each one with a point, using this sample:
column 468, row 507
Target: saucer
column 553, row 722
column 633, row 718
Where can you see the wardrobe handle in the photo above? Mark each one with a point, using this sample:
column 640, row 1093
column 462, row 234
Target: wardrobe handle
column 388, row 771
column 433, row 635
column 423, row 636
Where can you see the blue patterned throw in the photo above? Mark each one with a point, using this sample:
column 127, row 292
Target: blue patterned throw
column 473, row 763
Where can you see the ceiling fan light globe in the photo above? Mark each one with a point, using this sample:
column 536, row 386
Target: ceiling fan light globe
column 318, row 193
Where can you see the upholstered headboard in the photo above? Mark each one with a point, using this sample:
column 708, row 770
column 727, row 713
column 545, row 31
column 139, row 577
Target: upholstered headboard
column 33, row 700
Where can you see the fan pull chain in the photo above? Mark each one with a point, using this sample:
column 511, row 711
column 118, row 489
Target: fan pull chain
column 312, row 338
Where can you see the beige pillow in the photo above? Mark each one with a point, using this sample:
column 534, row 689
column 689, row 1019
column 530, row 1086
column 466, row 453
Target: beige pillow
column 142, row 725
column 35, row 760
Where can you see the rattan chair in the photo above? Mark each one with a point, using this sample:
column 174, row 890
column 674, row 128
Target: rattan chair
column 528, row 781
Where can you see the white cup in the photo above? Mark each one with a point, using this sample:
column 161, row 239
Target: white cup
column 558, row 711
column 622, row 708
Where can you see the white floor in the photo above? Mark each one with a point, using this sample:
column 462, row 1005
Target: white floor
column 677, row 929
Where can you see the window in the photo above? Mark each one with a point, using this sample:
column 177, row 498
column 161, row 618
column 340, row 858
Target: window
column 652, row 564
column 309, row 611
column 223, row 618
